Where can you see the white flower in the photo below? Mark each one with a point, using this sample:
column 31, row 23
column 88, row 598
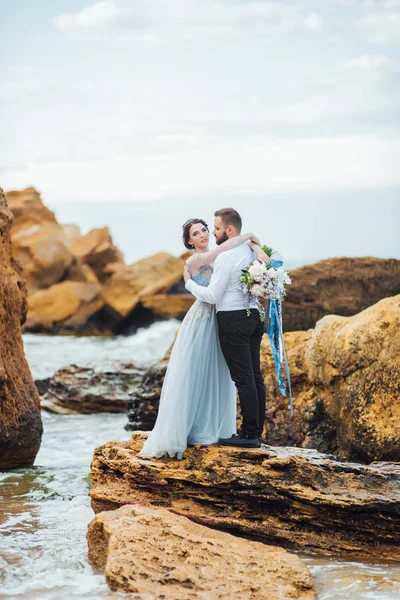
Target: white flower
column 257, row 290
column 257, row 270
column 272, row 274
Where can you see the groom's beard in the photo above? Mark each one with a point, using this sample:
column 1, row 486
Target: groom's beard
column 222, row 239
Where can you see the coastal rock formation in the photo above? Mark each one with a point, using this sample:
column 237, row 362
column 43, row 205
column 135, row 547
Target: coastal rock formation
column 158, row 554
column 65, row 307
column 20, row 421
column 346, row 386
column 289, row 496
column 136, row 295
column 97, row 250
column 111, row 297
column 340, row 286
column 39, row 241
column 148, row 276
column 85, row 390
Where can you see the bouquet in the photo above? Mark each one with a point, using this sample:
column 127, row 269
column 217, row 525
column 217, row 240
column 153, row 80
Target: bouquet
column 260, row 281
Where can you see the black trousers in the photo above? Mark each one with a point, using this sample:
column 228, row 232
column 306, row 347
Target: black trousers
column 240, row 337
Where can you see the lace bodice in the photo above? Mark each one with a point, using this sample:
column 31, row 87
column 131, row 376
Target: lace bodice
column 203, row 276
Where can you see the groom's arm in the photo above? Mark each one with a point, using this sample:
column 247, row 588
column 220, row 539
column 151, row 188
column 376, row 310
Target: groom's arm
column 218, row 283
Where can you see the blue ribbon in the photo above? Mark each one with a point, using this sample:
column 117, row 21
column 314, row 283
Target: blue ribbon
column 273, row 327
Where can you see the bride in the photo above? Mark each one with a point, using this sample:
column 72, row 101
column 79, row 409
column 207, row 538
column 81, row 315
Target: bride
column 198, row 397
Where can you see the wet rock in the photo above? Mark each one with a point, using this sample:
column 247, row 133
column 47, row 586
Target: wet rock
column 158, row 554
column 340, row 286
column 20, row 421
column 86, row 390
column 289, row 496
column 346, row 386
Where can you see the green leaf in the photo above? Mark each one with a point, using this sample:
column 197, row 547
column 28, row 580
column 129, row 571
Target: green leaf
column 268, row 250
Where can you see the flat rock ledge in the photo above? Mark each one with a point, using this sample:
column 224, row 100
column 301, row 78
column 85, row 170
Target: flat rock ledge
column 292, row 497
column 160, row 555
column 74, row 389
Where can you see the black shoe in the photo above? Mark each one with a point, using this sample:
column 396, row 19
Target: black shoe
column 240, row 441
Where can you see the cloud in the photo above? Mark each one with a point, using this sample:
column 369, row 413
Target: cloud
column 382, row 27
column 155, row 20
column 97, row 15
column 369, row 62
column 313, row 22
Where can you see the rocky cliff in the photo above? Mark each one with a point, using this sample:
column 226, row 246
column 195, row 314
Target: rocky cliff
column 20, row 421
column 346, row 386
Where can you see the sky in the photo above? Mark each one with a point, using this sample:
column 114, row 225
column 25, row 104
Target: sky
column 139, row 114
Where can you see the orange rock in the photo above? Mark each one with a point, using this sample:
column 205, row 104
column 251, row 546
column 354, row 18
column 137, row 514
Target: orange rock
column 123, row 291
column 39, row 241
column 158, row 554
column 345, row 376
column 20, row 421
column 340, row 286
column 283, row 495
column 97, row 250
column 64, row 307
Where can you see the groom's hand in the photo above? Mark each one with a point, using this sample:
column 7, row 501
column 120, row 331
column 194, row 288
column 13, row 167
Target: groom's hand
column 186, row 274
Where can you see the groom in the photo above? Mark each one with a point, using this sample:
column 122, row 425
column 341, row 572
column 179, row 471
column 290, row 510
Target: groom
column 239, row 334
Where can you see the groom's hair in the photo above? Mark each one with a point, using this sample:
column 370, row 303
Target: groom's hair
column 229, row 216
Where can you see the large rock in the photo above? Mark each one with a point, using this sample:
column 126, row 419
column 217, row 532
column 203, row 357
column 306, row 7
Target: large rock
column 148, row 276
column 39, row 241
column 288, row 496
column 158, row 554
column 341, row 286
column 97, row 250
column 346, row 385
column 85, row 390
column 66, row 307
column 20, row 421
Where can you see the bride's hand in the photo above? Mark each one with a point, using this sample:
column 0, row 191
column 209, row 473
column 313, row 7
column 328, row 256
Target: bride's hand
column 261, row 256
column 186, row 274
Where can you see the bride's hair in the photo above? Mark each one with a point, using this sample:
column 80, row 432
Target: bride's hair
column 186, row 229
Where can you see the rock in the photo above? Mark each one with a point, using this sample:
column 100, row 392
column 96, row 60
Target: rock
column 147, row 276
column 72, row 234
column 293, row 497
column 168, row 306
column 85, row 390
column 97, row 250
column 39, row 241
column 340, row 286
column 20, row 421
column 65, row 307
column 158, row 554
column 346, row 386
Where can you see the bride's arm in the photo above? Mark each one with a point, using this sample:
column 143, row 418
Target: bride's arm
column 198, row 260
column 259, row 253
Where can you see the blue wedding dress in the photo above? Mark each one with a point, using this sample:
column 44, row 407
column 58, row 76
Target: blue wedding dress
column 198, row 397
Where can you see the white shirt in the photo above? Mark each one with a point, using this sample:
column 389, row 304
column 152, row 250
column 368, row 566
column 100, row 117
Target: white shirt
column 225, row 288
